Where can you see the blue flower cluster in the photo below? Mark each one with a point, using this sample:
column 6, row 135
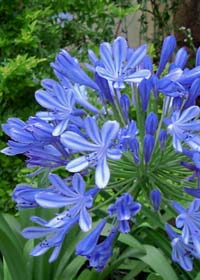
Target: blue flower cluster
column 88, row 125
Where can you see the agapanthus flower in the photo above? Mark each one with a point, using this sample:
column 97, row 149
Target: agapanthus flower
column 155, row 197
column 181, row 125
column 125, row 208
column 189, row 221
column 97, row 253
column 55, row 230
column 99, row 150
column 181, row 252
column 74, row 198
column 119, row 63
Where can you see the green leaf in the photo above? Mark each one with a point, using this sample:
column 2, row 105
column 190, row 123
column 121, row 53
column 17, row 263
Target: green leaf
column 197, row 277
column 132, row 242
column 71, row 270
column 157, row 261
column 153, row 276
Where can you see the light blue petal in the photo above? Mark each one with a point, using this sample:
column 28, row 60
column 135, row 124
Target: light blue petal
column 119, row 49
column 106, row 56
column 136, row 57
column 114, row 154
column 189, row 114
column 138, row 76
column 109, row 131
column 51, row 200
column 55, row 253
column 85, row 220
column 77, row 164
column 92, row 129
column 193, row 125
column 36, row 232
column 39, row 250
column 105, row 74
column 60, row 128
column 60, row 186
column 102, row 173
column 78, row 184
column 76, row 142
column 47, row 100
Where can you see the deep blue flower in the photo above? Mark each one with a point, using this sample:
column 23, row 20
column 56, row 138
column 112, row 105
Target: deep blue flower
column 74, row 198
column 99, row 257
column 119, row 64
column 125, row 106
column 47, row 156
column 125, row 208
column 148, row 146
column 151, row 123
column 126, row 135
column 145, row 90
column 168, row 47
column 180, row 59
column 99, row 150
column 162, row 139
column 24, row 196
column 97, row 253
column 27, row 135
column 155, row 197
column 67, row 66
column 87, row 245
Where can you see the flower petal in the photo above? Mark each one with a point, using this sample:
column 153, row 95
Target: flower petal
column 77, row 164
column 102, row 173
column 74, row 141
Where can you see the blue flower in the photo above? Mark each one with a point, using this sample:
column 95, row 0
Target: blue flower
column 151, row 123
column 60, row 103
column 102, row 252
column 180, row 59
column 168, row 47
column 125, row 209
column 181, row 124
column 100, row 149
column 55, row 230
column 155, row 197
column 162, row 139
column 98, row 254
column 181, row 252
column 75, row 198
column 24, row 195
column 189, row 221
column 148, row 146
column 119, row 63
column 145, row 91
column 87, row 245
column 67, row 66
